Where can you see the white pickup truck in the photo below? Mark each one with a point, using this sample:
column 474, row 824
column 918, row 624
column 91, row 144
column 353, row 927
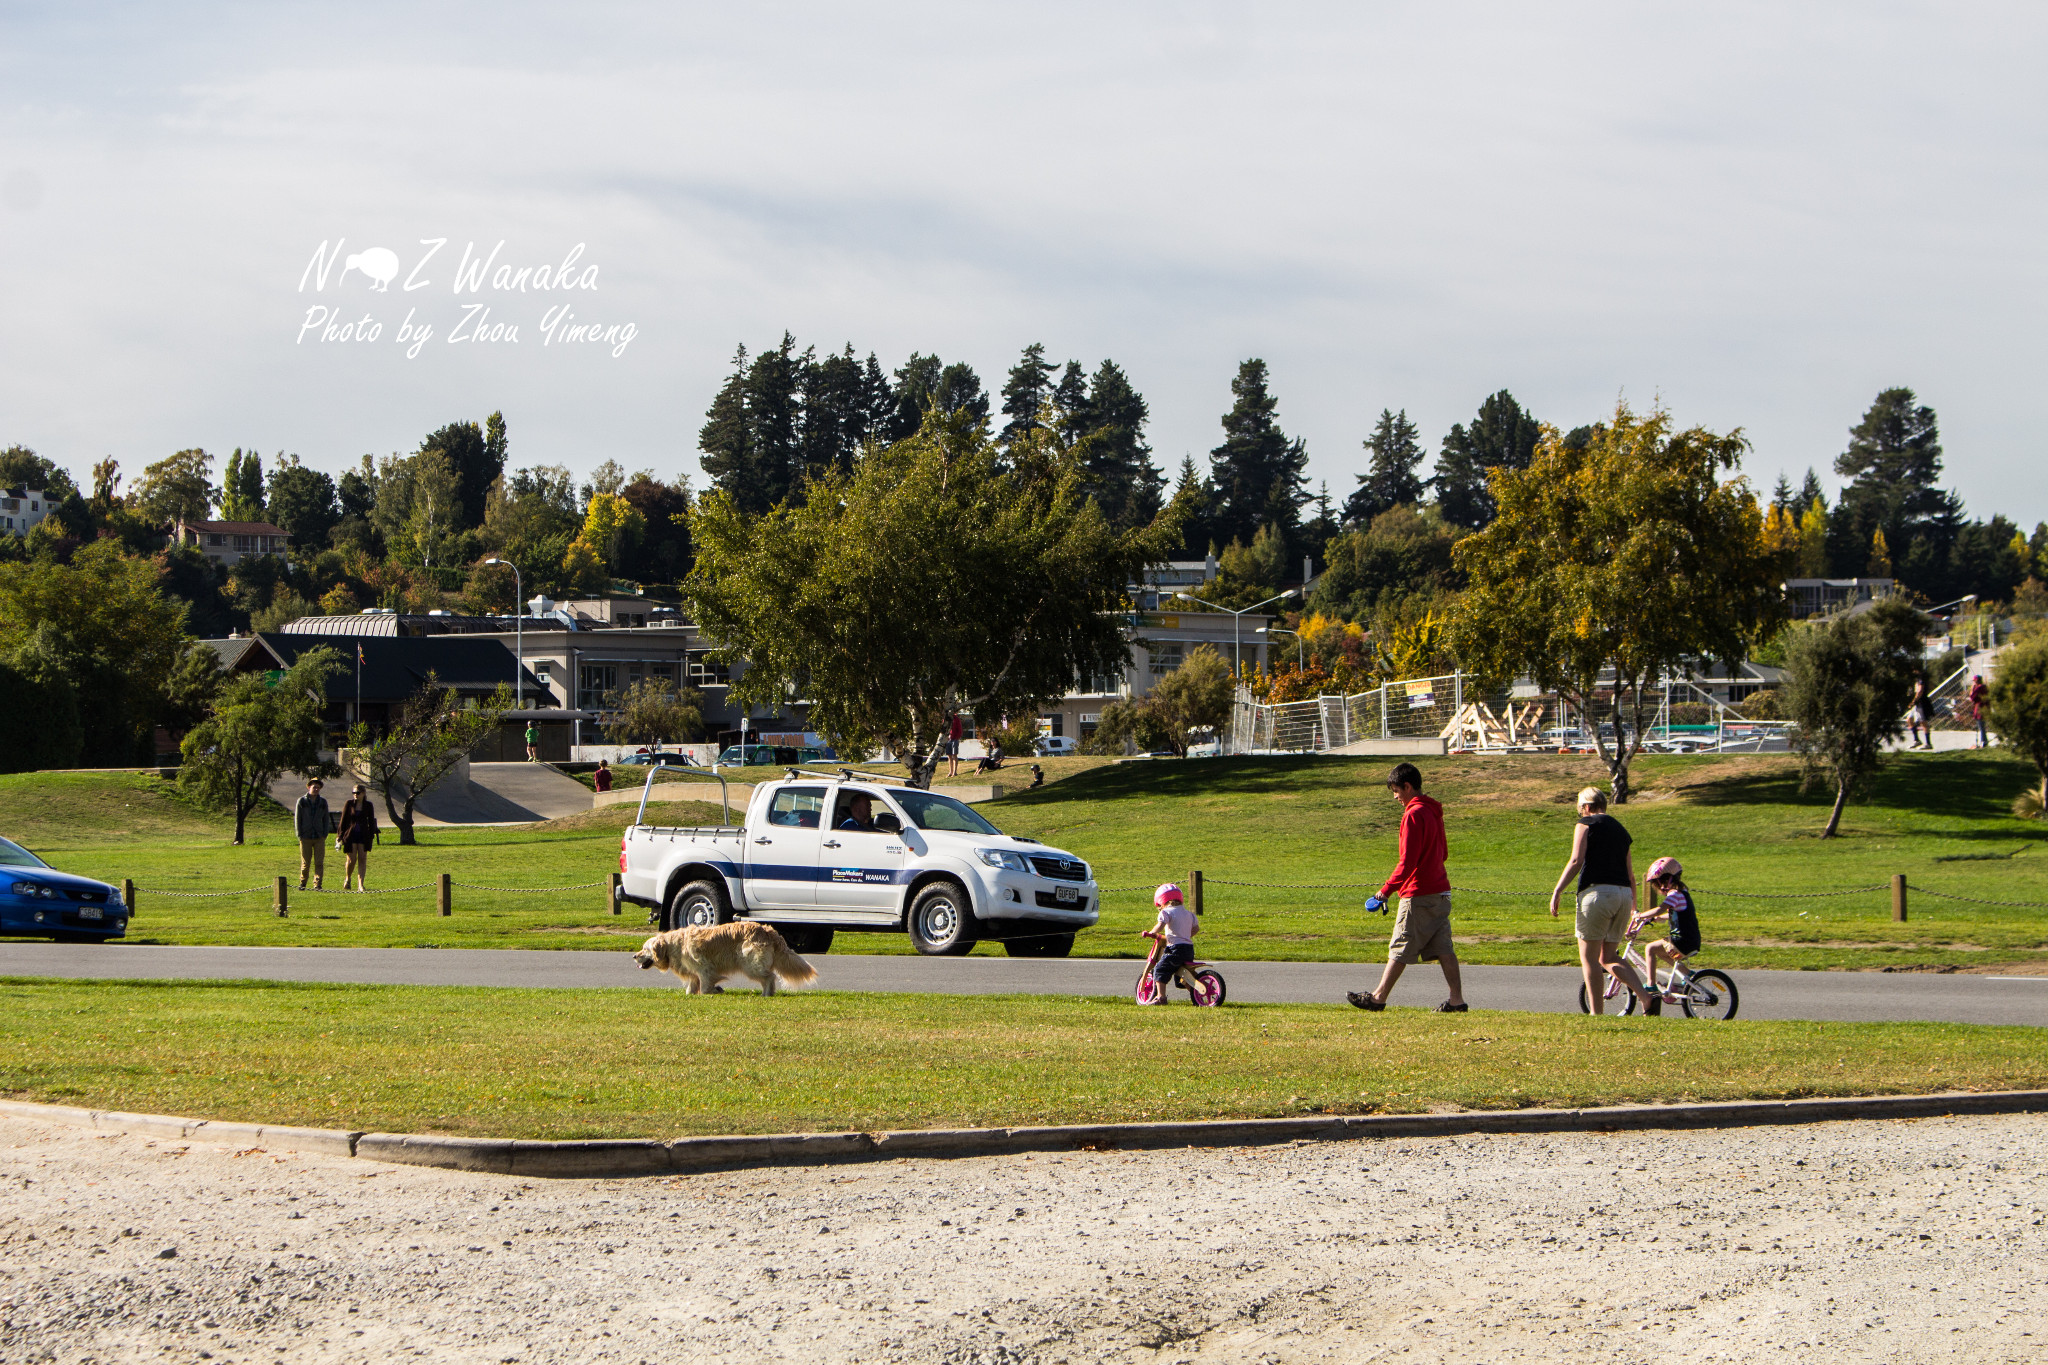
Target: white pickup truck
column 808, row 861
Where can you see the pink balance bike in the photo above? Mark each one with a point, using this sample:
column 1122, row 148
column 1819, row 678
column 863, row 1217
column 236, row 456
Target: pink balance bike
column 1202, row 982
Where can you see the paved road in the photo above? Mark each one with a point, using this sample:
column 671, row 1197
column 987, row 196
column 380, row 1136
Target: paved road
column 1849, row 996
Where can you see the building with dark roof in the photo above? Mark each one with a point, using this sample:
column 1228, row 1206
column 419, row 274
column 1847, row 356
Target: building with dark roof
column 382, row 672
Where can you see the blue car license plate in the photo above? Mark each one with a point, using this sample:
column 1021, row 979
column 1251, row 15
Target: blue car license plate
column 90, row 912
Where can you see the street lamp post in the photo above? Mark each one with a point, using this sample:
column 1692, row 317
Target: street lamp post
column 1236, row 618
column 1300, row 654
column 518, row 635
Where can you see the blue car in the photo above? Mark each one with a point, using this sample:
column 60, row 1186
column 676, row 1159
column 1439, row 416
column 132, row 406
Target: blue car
column 36, row 898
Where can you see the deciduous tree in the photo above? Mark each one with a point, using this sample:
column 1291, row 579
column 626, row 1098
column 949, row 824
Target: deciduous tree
column 177, row 486
column 1848, row 680
column 941, row 571
column 1193, row 698
column 1613, row 562
column 428, row 739
column 259, row 728
column 2019, row 711
column 654, row 709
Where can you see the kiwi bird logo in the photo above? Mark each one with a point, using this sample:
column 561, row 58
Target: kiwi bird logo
column 380, row 264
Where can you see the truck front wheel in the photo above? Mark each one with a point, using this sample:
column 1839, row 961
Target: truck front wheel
column 1040, row 945
column 698, row 905
column 941, row 921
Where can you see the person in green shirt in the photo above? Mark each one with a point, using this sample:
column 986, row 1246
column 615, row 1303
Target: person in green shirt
column 532, row 742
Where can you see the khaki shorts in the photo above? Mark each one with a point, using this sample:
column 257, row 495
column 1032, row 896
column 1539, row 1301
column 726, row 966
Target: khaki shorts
column 1603, row 913
column 1422, row 929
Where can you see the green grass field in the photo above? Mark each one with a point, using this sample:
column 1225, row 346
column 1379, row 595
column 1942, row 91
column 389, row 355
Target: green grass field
column 1253, row 826
column 640, row 1063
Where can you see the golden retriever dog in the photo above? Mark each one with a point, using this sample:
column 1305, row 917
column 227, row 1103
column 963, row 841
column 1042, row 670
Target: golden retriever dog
column 704, row 957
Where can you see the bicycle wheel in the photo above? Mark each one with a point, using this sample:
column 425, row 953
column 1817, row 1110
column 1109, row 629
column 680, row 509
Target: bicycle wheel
column 1147, row 991
column 1212, row 989
column 1710, row 995
column 1621, row 1002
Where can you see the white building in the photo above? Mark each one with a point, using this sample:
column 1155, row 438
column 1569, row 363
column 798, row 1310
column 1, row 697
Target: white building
column 21, row 508
column 230, row 542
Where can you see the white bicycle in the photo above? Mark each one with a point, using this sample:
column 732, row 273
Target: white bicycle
column 1708, row 994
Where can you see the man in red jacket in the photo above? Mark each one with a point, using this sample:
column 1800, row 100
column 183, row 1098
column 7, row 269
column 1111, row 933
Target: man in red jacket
column 1422, row 928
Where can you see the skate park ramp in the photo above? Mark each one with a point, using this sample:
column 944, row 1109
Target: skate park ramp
column 495, row 794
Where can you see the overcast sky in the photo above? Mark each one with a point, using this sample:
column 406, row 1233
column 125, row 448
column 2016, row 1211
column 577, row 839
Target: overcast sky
column 1762, row 214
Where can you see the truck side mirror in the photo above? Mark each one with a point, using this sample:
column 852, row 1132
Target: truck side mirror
column 887, row 823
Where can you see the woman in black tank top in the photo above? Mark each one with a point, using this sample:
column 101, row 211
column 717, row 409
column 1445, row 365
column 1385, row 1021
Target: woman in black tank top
column 1607, row 844
column 1606, row 899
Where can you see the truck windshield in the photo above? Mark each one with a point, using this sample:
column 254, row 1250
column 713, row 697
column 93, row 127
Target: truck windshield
column 14, row 855
column 928, row 810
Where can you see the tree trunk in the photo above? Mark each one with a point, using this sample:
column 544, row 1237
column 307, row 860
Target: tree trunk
column 1618, row 770
column 241, row 816
column 1835, row 816
column 404, row 823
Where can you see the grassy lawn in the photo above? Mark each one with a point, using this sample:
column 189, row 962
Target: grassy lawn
column 1740, row 825
column 638, row 1063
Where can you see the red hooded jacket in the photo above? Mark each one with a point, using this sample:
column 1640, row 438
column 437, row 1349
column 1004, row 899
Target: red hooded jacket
column 1423, row 850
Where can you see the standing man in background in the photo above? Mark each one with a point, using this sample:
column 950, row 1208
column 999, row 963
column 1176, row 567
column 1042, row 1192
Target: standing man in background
column 954, row 727
column 1422, row 926
column 309, row 820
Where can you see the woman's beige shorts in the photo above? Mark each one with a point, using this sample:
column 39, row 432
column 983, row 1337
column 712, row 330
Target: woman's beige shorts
column 1603, row 913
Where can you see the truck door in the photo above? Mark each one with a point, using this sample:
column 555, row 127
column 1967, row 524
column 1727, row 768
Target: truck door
column 782, row 851
column 859, row 866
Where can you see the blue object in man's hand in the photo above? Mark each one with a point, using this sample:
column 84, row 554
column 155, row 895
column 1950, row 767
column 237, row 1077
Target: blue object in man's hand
column 1375, row 905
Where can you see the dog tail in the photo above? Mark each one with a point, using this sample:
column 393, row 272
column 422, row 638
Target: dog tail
column 790, row 966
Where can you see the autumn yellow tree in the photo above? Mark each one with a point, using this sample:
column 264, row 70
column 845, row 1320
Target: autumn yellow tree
column 1614, row 561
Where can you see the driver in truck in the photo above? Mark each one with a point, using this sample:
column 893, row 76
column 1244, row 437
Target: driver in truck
column 860, row 813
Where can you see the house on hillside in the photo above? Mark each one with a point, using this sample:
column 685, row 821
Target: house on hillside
column 22, row 508
column 228, row 543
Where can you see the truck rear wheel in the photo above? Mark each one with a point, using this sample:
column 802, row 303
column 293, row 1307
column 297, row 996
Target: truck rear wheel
column 1040, row 945
column 941, row 921
column 698, row 905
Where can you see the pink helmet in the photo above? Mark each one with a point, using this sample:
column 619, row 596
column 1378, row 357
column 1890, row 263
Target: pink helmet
column 1664, row 869
column 1166, row 895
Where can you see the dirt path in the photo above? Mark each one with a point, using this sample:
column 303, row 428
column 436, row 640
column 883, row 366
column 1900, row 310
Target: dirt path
column 1887, row 1241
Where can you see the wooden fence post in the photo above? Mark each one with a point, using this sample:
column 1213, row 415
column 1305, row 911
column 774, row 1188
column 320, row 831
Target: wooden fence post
column 445, row 896
column 1899, row 897
column 282, row 908
column 128, row 895
column 1195, row 886
column 611, row 892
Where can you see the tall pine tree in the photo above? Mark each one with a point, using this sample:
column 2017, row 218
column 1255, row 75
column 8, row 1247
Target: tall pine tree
column 1390, row 479
column 1257, row 471
column 1893, row 464
column 1110, row 422
column 1502, row 436
column 1026, row 392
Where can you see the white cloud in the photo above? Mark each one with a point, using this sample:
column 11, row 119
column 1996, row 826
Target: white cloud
column 1763, row 213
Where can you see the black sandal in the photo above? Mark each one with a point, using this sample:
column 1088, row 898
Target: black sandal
column 1364, row 1001
column 1448, row 1008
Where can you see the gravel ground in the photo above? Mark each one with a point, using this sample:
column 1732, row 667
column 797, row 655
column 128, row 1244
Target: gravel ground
column 1891, row 1241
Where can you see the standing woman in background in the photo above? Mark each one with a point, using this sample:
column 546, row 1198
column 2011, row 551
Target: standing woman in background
column 358, row 832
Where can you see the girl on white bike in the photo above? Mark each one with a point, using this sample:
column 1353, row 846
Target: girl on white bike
column 1668, row 879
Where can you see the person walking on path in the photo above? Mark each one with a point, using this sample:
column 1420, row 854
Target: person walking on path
column 309, row 819
column 955, row 727
column 1920, row 713
column 532, row 742
column 358, row 832
column 1607, row 898
column 1422, row 925
column 602, row 778
column 1980, row 699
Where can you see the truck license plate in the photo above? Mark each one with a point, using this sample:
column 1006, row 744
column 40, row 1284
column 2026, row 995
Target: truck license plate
column 1067, row 895
column 88, row 912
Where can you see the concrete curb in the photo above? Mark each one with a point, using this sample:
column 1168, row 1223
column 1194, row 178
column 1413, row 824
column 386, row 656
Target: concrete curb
column 612, row 1158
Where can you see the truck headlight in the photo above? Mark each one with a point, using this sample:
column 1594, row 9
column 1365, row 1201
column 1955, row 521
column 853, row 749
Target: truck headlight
column 1003, row 858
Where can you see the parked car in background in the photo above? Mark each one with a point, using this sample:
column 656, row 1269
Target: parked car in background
column 772, row 755
column 1208, row 748
column 1058, row 746
column 656, row 756
column 36, row 898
